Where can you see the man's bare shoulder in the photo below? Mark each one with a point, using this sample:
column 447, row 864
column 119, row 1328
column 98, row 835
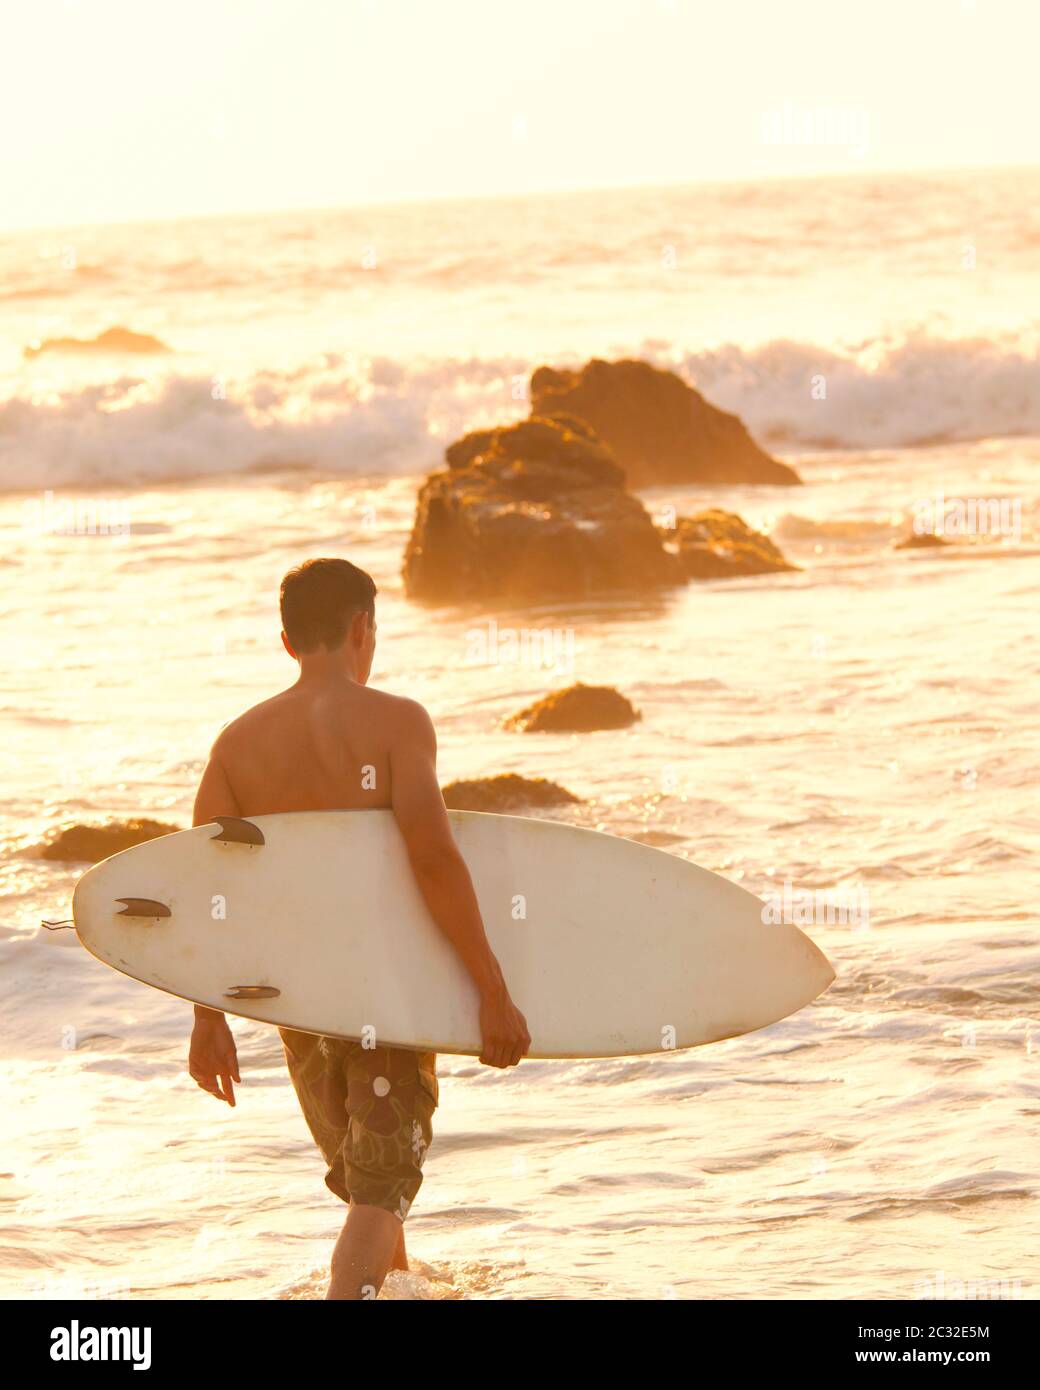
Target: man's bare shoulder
column 400, row 713
column 244, row 725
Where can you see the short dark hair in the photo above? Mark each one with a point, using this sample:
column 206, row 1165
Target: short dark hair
column 318, row 600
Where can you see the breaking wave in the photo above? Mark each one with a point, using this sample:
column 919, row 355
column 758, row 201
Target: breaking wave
column 920, row 391
column 384, row 416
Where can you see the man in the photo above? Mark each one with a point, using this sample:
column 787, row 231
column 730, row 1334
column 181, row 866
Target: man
column 331, row 743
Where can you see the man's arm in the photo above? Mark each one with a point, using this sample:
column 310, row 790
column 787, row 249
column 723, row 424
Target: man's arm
column 214, row 796
column 445, row 884
column 212, row 1058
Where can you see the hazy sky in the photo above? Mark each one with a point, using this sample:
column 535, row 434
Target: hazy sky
column 121, row 109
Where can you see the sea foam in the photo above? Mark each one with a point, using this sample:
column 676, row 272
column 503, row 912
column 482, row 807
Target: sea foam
column 383, row 416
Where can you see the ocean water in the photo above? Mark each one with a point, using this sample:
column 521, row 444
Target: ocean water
column 866, row 727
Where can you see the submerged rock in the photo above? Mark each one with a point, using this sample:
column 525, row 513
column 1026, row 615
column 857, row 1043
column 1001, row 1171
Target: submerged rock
column 532, row 510
column 922, row 542
column 89, row 843
column 112, row 340
column 505, row 793
column 578, row 709
column 660, row 429
column 721, row 545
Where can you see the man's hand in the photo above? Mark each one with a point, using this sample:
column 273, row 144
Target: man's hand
column 212, row 1059
column 503, row 1030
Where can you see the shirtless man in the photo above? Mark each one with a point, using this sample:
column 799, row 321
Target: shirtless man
column 314, row 748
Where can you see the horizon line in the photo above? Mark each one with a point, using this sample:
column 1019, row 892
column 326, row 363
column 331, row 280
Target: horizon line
column 502, row 196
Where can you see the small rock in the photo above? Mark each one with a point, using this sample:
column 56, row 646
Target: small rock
column 922, row 542
column 721, row 545
column 505, row 793
column 89, row 843
column 578, row 709
column 116, row 340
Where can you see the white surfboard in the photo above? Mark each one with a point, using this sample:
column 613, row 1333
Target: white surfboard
column 609, row 947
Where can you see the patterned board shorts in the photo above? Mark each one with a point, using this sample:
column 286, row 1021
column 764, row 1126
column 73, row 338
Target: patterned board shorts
column 370, row 1111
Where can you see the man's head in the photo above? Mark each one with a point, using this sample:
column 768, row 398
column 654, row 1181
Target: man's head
column 329, row 606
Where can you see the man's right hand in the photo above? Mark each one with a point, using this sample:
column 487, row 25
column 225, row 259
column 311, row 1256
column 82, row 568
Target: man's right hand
column 212, row 1059
column 503, row 1030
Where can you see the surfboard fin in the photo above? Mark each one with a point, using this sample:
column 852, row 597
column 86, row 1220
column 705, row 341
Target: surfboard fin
column 252, row 992
column 236, row 831
column 143, row 907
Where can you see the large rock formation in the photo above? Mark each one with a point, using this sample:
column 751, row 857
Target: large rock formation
column 660, row 429
column 532, row 510
column 507, row 792
column 577, row 709
column 720, row 545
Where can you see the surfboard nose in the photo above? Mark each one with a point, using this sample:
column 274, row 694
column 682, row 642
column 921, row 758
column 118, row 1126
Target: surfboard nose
column 824, row 973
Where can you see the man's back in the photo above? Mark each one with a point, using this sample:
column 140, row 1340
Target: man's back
column 312, row 748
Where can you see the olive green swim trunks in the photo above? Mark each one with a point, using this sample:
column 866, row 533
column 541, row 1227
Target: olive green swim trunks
column 370, row 1111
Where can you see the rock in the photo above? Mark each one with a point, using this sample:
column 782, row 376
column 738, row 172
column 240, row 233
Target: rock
column 112, row 340
column 505, row 793
column 577, row 709
column 660, row 429
column 528, row 511
column 563, row 439
column 89, row 843
column 721, row 545
column 922, row 542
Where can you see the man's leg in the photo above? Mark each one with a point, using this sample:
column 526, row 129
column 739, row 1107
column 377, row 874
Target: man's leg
column 370, row 1244
column 391, row 1096
column 372, row 1239
column 400, row 1260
